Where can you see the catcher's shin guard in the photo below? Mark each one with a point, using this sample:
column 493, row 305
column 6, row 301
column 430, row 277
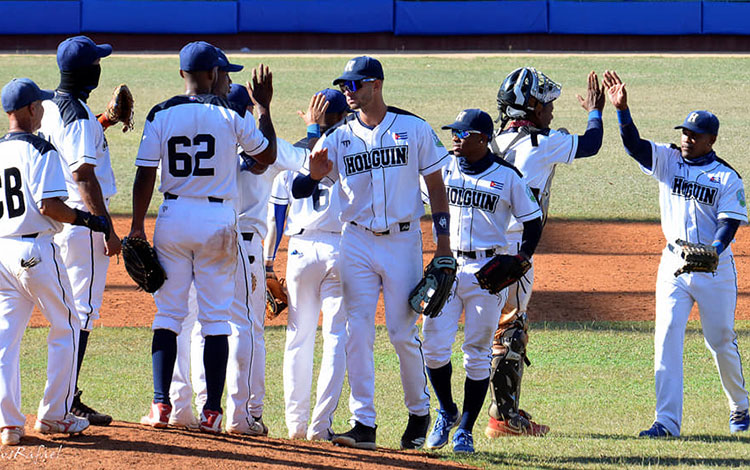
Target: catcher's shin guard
column 508, row 360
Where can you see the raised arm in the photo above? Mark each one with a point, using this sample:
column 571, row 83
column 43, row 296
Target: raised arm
column 636, row 147
column 591, row 141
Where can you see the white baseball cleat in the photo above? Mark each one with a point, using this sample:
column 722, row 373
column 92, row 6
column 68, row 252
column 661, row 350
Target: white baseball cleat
column 11, row 435
column 71, row 424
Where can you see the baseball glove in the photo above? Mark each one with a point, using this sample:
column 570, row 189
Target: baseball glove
column 120, row 108
column 432, row 292
column 142, row 264
column 696, row 257
column 502, row 271
column 276, row 297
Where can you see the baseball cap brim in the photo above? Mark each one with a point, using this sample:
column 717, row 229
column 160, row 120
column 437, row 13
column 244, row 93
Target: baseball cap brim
column 46, row 94
column 103, row 50
column 459, row 126
column 693, row 128
column 349, row 76
column 232, row 68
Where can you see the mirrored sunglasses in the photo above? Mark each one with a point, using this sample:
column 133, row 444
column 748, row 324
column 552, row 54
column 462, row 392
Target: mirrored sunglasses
column 463, row 134
column 354, row 85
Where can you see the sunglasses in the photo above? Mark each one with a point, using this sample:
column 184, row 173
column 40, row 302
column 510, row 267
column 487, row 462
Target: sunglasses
column 354, row 85
column 463, row 134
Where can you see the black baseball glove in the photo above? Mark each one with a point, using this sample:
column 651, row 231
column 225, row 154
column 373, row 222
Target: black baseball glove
column 430, row 295
column 697, row 257
column 502, row 271
column 142, row 264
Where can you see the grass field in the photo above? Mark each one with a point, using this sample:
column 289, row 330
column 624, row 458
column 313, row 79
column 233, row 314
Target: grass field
column 591, row 382
column 609, row 186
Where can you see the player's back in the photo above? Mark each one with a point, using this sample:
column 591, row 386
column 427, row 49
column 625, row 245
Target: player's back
column 194, row 139
column 30, row 171
column 76, row 134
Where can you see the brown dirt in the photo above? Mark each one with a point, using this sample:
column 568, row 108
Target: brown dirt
column 585, row 271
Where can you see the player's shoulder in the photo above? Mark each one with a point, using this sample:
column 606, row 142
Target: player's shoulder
column 729, row 167
column 502, row 163
column 71, row 109
column 341, row 124
column 404, row 113
column 180, row 100
column 41, row 144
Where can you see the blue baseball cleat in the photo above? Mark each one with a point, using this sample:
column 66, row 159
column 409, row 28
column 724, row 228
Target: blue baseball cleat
column 657, row 430
column 463, row 441
column 739, row 421
column 442, row 429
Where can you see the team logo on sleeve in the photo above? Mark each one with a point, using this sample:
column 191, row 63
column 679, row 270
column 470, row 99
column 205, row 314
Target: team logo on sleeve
column 530, row 193
column 384, row 157
column 741, row 197
column 400, row 136
column 438, row 143
column 496, row 185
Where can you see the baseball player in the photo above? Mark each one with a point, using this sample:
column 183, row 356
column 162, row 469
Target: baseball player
column 377, row 154
column 702, row 200
column 526, row 102
column 31, row 268
column 78, row 136
column 314, row 284
column 483, row 191
column 193, row 138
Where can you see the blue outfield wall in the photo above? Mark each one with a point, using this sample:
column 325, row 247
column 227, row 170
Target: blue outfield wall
column 401, row 17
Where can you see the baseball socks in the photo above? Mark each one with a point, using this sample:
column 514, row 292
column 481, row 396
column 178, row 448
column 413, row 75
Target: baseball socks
column 163, row 357
column 215, row 357
column 79, row 408
column 447, row 417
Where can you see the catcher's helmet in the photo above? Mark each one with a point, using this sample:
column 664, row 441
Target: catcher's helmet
column 521, row 90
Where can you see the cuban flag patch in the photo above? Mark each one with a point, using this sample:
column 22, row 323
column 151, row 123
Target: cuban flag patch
column 400, row 135
column 496, row 184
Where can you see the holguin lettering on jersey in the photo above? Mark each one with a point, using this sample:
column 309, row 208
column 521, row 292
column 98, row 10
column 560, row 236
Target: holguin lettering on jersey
column 467, row 197
column 692, row 190
column 384, row 157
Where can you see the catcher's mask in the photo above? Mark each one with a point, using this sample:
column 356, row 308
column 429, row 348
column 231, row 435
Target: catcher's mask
column 522, row 90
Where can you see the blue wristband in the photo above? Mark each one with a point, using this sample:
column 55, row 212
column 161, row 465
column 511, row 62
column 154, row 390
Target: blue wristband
column 719, row 246
column 313, row 131
column 624, row 117
column 442, row 223
column 595, row 114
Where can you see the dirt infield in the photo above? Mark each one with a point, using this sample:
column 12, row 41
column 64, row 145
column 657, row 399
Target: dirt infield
column 584, row 271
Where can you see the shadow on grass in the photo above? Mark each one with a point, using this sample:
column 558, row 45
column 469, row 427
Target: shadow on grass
column 620, row 326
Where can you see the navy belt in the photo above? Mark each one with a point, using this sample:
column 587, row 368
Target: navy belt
column 475, row 254
column 247, row 236
column 402, row 227
column 30, row 235
column 171, row 196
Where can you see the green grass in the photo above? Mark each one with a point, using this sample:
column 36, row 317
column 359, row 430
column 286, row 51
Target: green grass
column 663, row 89
column 591, row 382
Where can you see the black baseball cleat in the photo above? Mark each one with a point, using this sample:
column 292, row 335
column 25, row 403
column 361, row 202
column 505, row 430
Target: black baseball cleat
column 360, row 437
column 416, row 431
column 80, row 409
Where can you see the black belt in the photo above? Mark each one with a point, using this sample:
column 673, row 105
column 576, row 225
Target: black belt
column 475, row 254
column 402, row 227
column 30, row 235
column 171, row 196
column 247, row 236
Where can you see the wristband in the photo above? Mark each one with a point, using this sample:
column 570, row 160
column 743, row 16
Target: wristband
column 595, row 114
column 313, row 131
column 623, row 117
column 718, row 245
column 269, row 268
column 442, row 223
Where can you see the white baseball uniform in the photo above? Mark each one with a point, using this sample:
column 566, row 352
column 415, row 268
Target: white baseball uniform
column 381, row 246
column 32, row 273
column 481, row 206
column 537, row 164
column 314, row 284
column 72, row 128
column 193, row 139
column 693, row 198
column 246, row 366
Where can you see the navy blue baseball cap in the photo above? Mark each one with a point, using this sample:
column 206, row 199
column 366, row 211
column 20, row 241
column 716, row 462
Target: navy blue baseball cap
column 701, row 122
column 225, row 65
column 80, row 51
column 21, row 92
column 473, row 120
column 336, row 100
column 238, row 96
column 199, row 56
column 359, row 68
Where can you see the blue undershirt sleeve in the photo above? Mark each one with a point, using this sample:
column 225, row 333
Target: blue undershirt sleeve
column 303, row 186
column 725, row 232
column 279, row 212
column 636, row 147
column 532, row 232
column 591, row 141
